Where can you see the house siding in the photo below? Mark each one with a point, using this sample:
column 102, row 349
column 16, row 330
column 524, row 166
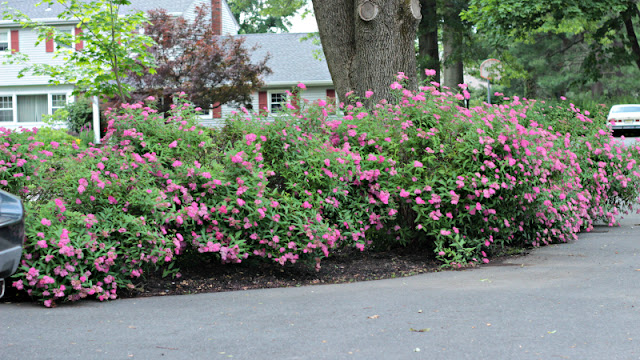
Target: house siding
column 37, row 54
column 312, row 94
column 229, row 26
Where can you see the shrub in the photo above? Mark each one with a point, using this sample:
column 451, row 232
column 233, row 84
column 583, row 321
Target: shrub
column 416, row 170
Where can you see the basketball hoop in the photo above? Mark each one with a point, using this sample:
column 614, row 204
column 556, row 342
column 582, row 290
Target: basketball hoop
column 490, row 69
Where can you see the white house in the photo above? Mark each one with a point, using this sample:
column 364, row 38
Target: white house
column 23, row 101
column 292, row 62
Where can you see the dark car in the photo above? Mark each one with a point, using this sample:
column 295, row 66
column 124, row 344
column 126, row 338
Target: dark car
column 11, row 235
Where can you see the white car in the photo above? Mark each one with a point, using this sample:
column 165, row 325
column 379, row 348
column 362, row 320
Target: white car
column 624, row 116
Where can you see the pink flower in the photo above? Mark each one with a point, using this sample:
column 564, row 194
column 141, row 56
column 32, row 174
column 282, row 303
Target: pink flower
column 43, row 243
column 173, row 144
column 176, row 163
column 396, row 85
column 45, row 222
column 306, row 205
column 237, row 158
column 441, row 253
column 384, row 197
column 240, row 202
column 60, row 205
column 250, row 138
column 429, row 72
column 368, row 94
column 302, row 86
column 419, row 200
column 445, row 232
column 417, row 164
column 404, row 193
column 327, row 162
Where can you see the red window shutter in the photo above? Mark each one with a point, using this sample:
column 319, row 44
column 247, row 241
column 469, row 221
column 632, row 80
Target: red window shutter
column 49, row 45
column 263, row 103
column 217, row 110
column 15, row 41
column 79, row 44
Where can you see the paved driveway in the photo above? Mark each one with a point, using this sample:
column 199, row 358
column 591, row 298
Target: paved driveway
column 570, row 301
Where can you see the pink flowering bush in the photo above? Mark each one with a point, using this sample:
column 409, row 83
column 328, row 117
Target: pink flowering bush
column 418, row 169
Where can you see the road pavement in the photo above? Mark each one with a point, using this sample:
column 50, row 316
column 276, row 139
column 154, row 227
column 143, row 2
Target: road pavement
column 571, row 301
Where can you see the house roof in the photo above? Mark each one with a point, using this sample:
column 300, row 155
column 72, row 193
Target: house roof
column 29, row 7
column 292, row 60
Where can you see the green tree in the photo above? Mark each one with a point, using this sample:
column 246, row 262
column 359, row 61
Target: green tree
column 112, row 46
column 606, row 27
column 262, row 16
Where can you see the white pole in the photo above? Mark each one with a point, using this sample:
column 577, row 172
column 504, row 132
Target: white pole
column 488, row 91
column 96, row 121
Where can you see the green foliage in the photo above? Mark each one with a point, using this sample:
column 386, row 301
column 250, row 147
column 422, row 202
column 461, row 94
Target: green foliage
column 550, row 47
column 77, row 115
column 262, row 16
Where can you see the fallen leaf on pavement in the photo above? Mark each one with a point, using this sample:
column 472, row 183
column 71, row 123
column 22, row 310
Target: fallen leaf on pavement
column 420, row 330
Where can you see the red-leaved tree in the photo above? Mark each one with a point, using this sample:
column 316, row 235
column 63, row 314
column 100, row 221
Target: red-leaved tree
column 190, row 58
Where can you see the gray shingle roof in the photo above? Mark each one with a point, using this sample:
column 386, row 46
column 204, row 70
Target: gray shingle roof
column 291, row 60
column 39, row 12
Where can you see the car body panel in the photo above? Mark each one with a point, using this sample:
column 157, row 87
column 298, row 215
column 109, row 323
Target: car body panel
column 11, row 233
column 624, row 116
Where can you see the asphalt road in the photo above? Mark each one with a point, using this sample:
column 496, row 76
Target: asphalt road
column 571, row 301
column 631, row 138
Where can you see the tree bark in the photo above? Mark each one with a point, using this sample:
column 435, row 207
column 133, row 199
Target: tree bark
column 367, row 55
column 632, row 9
column 429, row 56
column 453, row 67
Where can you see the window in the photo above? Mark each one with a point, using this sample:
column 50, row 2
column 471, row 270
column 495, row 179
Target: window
column 58, row 102
column 6, row 108
column 68, row 38
column 278, row 101
column 4, row 40
column 31, row 107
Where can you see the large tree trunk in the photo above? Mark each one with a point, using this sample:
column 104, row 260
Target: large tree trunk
column 366, row 55
column 632, row 9
column 452, row 46
column 428, row 54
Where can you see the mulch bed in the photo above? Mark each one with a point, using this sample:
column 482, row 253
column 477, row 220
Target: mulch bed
column 344, row 266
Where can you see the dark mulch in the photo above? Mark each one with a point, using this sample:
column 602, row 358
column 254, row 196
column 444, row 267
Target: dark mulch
column 342, row 267
column 345, row 266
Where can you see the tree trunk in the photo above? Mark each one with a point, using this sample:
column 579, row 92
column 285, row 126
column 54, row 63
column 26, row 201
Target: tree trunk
column 429, row 57
column 452, row 44
column 632, row 9
column 367, row 55
column 597, row 89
